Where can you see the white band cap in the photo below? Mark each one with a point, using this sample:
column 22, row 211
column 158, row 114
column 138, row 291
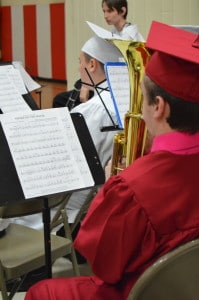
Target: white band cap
column 101, row 50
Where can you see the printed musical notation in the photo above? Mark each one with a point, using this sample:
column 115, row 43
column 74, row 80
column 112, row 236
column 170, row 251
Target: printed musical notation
column 10, row 98
column 118, row 80
column 46, row 152
column 15, row 76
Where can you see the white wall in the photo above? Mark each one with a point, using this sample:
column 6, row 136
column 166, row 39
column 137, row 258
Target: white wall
column 141, row 12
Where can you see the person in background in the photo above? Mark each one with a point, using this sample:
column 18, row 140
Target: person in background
column 94, row 54
column 74, row 97
column 143, row 212
column 115, row 13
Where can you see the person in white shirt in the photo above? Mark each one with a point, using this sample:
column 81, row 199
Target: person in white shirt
column 94, row 53
column 115, row 13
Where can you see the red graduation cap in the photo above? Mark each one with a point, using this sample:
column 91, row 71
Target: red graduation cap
column 174, row 65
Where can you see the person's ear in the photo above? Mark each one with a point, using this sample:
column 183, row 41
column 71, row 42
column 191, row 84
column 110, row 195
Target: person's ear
column 92, row 64
column 123, row 9
column 160, row 107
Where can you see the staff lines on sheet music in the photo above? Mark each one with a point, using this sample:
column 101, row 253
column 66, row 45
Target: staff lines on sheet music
column 26, row 137
column 35, row 124
column 10, row 98
column 35, row 128
column 48, row 164
column 37, row 149
column 118, row 81
column 38, row 156
column 8, row 106
column 12, row 75
column 57, row 152
column 43, row 158
column 47, row 176
column 37, row 141
column 37, row 145
column 47, row 152
column 6, row 92
column 54, row 182
column 5, row 81
column 59, row 166
column 15, row 107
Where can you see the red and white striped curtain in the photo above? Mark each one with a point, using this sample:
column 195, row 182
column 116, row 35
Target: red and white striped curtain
column 35, row 35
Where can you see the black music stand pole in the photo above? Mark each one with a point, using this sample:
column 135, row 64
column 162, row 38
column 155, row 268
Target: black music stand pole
column 47, row 239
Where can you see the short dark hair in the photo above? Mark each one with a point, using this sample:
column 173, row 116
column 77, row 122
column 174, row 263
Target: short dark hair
column 184, row 115
column 117, row 4
column 89, row 57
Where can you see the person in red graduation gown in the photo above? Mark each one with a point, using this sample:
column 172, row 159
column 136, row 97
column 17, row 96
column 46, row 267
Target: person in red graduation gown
column 152, row 206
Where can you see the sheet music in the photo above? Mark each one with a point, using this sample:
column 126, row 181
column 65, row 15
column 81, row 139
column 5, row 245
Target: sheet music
column 30, row 84
column 118, row 81
column 15, row 76
column 46, row 152
column 10, row 98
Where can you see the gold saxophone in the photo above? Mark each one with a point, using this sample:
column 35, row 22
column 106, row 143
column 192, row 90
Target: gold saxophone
column 130, row 143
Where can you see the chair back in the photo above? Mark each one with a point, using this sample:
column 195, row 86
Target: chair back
column 29, row 207
column 174, row 276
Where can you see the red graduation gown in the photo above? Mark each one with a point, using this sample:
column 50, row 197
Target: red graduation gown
column 139, row 215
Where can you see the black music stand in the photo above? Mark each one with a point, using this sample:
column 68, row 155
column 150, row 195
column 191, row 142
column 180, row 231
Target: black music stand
column 10, row 188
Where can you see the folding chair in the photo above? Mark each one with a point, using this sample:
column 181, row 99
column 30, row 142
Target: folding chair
column 83, row 210
column 74, row 225
column 22, row 248
column 174, row 276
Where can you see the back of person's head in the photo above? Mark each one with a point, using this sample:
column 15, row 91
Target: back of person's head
column 118, row 5
column 184, row 115
column 101, row 50
column 173, row 73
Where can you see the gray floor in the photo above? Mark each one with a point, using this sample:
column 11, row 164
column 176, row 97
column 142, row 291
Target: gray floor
column 61, row 268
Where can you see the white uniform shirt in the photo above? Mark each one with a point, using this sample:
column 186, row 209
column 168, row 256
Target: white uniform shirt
column 129, row 32
column 96, row 117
